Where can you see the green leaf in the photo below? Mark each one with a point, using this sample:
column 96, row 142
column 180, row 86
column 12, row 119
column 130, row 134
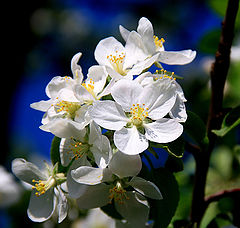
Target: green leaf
column 174, row 164
column 55, row 155
column 175, row 148
column 196, row 129
column 230, row 121
column 163, row 210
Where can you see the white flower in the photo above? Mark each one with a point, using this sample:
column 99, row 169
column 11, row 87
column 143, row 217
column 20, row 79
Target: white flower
column 82, row 148
column 67, row 108
column 165, row 81
column 47, row 195
column 10, row 191
column 148, row 44
column 138, row 115
column 121, row 62
column 110, row 184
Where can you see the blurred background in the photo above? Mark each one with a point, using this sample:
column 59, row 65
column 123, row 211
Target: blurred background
column 39, row 40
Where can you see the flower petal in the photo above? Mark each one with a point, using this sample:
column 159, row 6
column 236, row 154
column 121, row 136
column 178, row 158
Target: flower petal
column 124, row 32
column 95, row 196
column 42, row 105
column 58, row 83
column 87, row 175
column 102, row 153
column 134, row 209
column 146, row 188
column 177, row 57
column 75, row 189
column 126, row 93
column 135, row 50
column 108, row 114
column 178, row 111
column 107, row 47
column 27, row 171
column 163, row 130
column 62, row 206
column 41, row 207
column 158, row 99
column 124, row 165
column 76, row 69
column 130, row 141
column 98, row 75
column 145, row 29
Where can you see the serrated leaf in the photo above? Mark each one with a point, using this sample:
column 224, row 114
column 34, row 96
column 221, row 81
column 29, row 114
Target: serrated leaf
column 196, row 129
column 163, row 210
column 230, row 121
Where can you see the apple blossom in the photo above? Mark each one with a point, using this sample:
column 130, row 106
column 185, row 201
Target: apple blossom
column 149, row 44
column 111, row 184
column 137, row 115
column 47, row 195
column 121, row 62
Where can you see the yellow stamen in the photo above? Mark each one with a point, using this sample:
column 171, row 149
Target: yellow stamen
column 158, row 42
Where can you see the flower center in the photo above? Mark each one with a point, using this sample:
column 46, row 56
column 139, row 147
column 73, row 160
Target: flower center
column 117, row 62
column 89, row 86
column 118, row 193
column 78, row 149
column 138, row 114
column 69, row 107
column 160, row 74
column 42, row 186
column 158, row 42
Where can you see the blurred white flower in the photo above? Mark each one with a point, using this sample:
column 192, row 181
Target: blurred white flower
column 10, row 190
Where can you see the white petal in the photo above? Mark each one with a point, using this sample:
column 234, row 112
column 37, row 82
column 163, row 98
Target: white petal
column 139, row 67
column 126, row 93
column 76, row 69
column 99, row 75
column 42, row 105
column 62, row 206
column 178, row 112
column 135, row 209
column 177, row 57
column 108, row 114
column 158, row 100
column 163, row 131
column 124, row 165
column 75, row 189
column 95, row 196
column 146, row 188
column 107, row 47
column 130, row 141
column 107, row 89
column 135, row 50
column 56, row 84
column 102, row 153
column 145, row 29
column 63, row 128
column 124, row 32
column 41, row 207
column 27, row 171
column 82, row 94
column 87, row 175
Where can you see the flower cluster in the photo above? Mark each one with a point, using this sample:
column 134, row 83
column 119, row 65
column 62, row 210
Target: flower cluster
column 104, row 121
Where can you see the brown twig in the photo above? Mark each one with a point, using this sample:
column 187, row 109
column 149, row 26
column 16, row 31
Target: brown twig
column 218, row 77
column 219, row 195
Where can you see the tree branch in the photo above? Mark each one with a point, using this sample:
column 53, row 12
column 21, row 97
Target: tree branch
column 219, row 195
column 218, row 76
